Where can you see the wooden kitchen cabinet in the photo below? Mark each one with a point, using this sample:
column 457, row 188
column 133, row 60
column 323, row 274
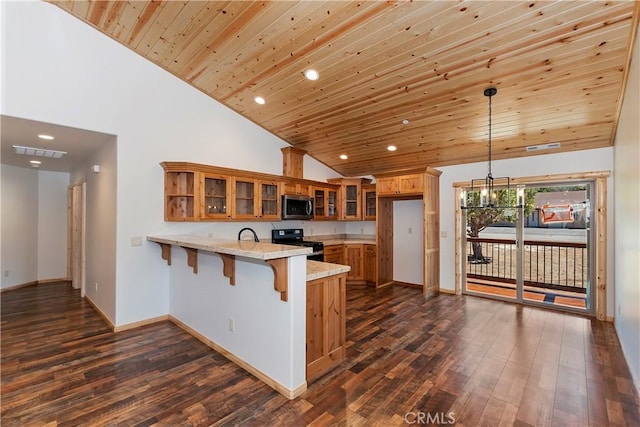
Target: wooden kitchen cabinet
column 399, row 185
column 370, row 264
column 325, row 203
column 255, row 199
column 181, row 195
column 296, row 188
column 326, row 324
column 350, row 197
column 334, row 254
column 216, row 196
column 369, row 202
column 354, row 257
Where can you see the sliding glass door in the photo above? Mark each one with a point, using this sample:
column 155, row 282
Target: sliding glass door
column 538, row 253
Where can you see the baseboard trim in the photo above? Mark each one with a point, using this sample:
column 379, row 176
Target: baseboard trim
column 34, row 283
column 100, row 313
column 140, row 323
column 288, row 393
column 447, row 291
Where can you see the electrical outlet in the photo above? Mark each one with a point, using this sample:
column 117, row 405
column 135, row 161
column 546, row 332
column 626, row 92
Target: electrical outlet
column 136, row 241
column 410, row 230
column 6, row 273
column 362, row 231
column 311, row 232
column 232, row 326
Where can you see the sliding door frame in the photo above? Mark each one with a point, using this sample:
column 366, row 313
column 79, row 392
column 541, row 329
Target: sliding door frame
column 599, row 258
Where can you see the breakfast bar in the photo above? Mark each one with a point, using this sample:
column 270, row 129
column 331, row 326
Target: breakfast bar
column 248, row 301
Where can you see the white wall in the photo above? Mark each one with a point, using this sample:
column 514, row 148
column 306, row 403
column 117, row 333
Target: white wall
column 34, row 225
column 100, row 226
column 408, row 247
column 92, row 82
column 627, row 220
column 577, row 161
column 52, row 225
column 19, row 225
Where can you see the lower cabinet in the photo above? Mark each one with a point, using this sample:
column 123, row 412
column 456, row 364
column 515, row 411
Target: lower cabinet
column 370, row 264
column 326, row 323
column 334, row 254
column 354, row 257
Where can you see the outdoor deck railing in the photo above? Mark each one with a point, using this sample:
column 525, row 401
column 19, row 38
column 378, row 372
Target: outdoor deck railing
column 552, row 265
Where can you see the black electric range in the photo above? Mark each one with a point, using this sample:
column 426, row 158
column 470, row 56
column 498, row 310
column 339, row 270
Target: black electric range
column 295, row 236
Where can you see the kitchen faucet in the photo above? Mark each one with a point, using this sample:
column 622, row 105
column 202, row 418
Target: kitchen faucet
column 255, row 236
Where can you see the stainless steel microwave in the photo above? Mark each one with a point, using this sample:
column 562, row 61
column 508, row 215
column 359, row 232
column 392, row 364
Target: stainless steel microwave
column 297, row 207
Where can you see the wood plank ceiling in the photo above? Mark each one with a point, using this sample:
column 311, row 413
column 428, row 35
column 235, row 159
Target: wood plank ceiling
column 560, row 68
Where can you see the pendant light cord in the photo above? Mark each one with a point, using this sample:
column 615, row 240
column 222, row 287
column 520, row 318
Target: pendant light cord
column 490, row 96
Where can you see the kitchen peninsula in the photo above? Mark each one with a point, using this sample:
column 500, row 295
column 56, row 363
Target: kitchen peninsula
column 248, row 301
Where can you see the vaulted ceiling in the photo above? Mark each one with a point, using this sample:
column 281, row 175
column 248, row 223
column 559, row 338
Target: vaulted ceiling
column 408, row 74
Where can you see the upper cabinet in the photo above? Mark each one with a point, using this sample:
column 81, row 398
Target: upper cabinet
column 402, row 184
column 351, row 197
column 195, row 192
column 180, row 195
column 296, row 188
column 369, row 202
column 326, row 202
column 216, row 190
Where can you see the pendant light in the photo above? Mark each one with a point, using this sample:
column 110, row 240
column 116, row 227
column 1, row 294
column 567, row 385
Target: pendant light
column 483, row 191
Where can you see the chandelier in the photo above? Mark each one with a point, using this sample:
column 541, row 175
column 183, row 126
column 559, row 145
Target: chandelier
column 490, row 191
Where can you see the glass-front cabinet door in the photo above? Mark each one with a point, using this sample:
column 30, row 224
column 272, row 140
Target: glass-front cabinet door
column 216, row 196
column 325, row 203
column 245, row 198
column 369, row 202
column 351, row 201
column 269, row 200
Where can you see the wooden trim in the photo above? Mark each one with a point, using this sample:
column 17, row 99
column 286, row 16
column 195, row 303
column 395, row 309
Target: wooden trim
column 192, row 258
column 288, row 393
column 601, row 248
column 140, row 323
column 166, row 252
column 19, row 286
column 448, row 291
column 101, row 314
column 459, row 241
column 546, row 179
column 229, row 267
column 280, row 276
column 36, row 282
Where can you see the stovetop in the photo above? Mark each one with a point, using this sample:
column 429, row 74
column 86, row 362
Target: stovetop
column 294, row 236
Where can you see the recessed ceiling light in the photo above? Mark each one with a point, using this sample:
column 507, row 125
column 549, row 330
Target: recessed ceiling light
column 35, row 162
column 405, row 122
column 392, row 148
column 312, row 74
column 259, row 100
column 344, row 156
column 45, row 136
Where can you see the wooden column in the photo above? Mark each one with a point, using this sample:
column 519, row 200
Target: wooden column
column 292, row 164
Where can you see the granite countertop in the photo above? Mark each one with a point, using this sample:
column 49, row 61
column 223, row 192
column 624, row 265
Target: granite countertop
column 318, row 270
column 242, row 248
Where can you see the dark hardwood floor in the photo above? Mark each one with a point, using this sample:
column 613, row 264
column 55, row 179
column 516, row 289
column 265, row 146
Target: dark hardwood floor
column 466, row 360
